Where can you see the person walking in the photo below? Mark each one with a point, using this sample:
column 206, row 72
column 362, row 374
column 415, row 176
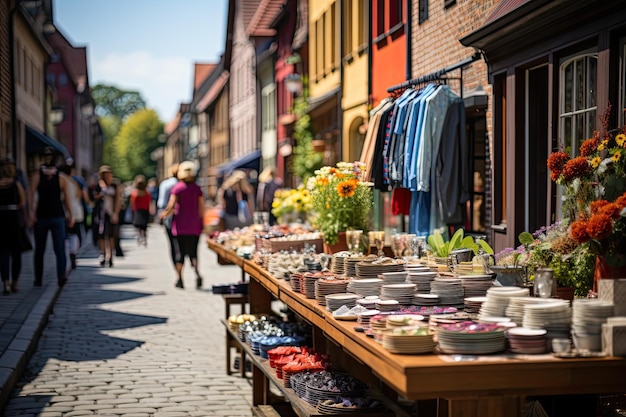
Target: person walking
column 268, row 184
column 12, row 223
column 165, row 189
column 140, row 200
column 48, row 214
column 236, row 196
column 186, row 206
column 108, row 198
column 73, row 233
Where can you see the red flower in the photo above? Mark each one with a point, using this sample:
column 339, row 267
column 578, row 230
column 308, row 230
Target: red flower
column 556, row 163
column 599, row 226
column 612, row 210
column 621, row 200
column 596, row 206
column 576, row 168
column 578, row 231
column 588, row 147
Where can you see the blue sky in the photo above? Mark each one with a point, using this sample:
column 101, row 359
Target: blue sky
column 148, row 46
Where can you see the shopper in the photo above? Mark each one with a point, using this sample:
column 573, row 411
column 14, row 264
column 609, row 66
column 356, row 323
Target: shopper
column 140, row 200
column 108, row 198
column 236, row 196
column 165, row 189
column 268, row 184
column 73, row 233
column 48, row 214
column 186, row 206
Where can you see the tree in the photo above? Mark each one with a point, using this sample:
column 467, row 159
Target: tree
column 112, row 101
column 110, row 127
column 134, row 143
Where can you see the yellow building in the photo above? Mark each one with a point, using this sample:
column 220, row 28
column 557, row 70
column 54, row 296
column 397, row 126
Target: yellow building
column 354, row 91
column 324, row 76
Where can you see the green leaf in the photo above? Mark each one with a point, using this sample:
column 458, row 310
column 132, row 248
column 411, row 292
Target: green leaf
column 457, row 239
column 435, row 241
column 468, row 242
column 485, row 246
column 525, row 238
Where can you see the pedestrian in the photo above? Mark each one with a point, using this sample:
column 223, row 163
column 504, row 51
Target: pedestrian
column 186, row 206
column 92, row 190
column 12, row 223
column 268, row 184
column 140, row 201
column 48, row 213
column 236, row 196
column 153, row 190
column 72, row 233
column 165, row 189
column 108, row 198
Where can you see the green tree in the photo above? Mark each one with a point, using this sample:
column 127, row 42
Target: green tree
column 110, row 127
column 136, row 139
column 112, row 101
column 306, row 159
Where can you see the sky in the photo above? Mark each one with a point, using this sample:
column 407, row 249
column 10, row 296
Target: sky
column 148, row 46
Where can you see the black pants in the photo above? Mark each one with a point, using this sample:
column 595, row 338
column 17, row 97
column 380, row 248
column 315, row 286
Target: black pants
column 172, row 241
column 10, row 260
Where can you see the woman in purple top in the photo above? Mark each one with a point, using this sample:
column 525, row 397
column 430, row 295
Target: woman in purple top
column 186, row 204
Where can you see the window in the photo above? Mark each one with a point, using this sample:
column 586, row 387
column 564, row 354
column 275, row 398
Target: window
column 334, row 39
column 269, row 107
column 422, row 10
column 361, row 26
column 499, row 155
column 348, row 32
column 319, row 47
column 380, row 22
column 395, row 13
column 577, row 109
column 448, row 3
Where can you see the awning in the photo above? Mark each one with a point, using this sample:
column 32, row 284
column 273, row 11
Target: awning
column 249, row 161
column 36, row 142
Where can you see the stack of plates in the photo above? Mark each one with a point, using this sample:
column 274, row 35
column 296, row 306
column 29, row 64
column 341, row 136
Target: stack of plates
column 393, row 277
column 375, row 268
column 323, row 287
column 498, row 300
column 365, row 287
column 409, row 340
column 364, row 318
column 350, row 265
column 294, row 281
column 555, row 317
column 403, row 293
column 334, row 301
column 403, row 320
column 476, row 285
column 337, row 264
column 470, row 338
column 588, row 316
column 379, row 322
column 515, row 309
column 368, row 302
column 349, row 406
column 472, row 304
column 307, row 284
column 421, row 300
column 387, row 305
column 449, row 290
column 528, row 341
column 422, row 279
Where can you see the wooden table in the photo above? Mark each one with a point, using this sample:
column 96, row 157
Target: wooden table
column 481, row 386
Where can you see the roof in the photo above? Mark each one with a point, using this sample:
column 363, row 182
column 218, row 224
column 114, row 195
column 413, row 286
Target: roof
column 266, row 13
column 200, row 73
column 74, row 59
column 248, row 10
column 201, row 91
column 504, row 8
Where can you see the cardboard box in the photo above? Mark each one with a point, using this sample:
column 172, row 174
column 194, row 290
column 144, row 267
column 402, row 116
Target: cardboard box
column 614, row 291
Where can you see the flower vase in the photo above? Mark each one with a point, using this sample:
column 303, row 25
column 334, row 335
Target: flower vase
column 605, row 271
column 341, row 245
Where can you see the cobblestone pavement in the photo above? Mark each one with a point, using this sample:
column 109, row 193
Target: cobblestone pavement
column 123, row 341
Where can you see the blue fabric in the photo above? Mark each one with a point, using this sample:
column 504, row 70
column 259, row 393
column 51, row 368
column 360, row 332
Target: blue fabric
column 56, row 225
column 412, row 143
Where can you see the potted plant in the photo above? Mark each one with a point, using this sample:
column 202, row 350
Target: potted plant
column 340, row 199
column 594, row 186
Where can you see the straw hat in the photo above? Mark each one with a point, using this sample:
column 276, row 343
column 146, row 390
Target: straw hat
column 186, row 171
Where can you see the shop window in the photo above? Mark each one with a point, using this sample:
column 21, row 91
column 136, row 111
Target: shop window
column 577, row 109
column 422, row 10
column 268, row 95
column 476, row 134
column 499, row 153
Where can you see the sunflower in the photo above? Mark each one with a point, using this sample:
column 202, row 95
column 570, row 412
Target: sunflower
column 620, row 139
column 346, row 188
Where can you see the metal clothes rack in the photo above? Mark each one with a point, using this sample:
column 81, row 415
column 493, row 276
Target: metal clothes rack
column 438, row 75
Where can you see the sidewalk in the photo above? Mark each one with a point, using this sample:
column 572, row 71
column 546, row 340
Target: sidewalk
column 23, row 316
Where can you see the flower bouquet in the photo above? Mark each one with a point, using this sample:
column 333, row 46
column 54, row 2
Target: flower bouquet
column 341, row 199
column 289, row 203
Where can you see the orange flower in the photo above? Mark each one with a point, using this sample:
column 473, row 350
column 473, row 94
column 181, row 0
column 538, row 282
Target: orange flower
column 556, row 163
column 621, row 200
column 599, row 226
column 612, row 210
column 340, row 175
column 576, row 168
column 596, row 206
column 346, row 188
column 323, row 181
column 588, row 147
column 332, row 170
column 578, row 231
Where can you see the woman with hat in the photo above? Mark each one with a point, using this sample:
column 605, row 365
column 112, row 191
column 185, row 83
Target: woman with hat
column 186, row 204
column 108, row 202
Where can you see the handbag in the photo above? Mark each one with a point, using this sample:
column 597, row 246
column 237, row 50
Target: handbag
column 242, row 209
column 23, row 239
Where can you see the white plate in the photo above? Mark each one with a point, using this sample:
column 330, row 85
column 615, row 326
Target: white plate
column 523, row 331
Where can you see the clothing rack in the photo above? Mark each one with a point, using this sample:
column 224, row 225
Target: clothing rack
column 438, row 75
